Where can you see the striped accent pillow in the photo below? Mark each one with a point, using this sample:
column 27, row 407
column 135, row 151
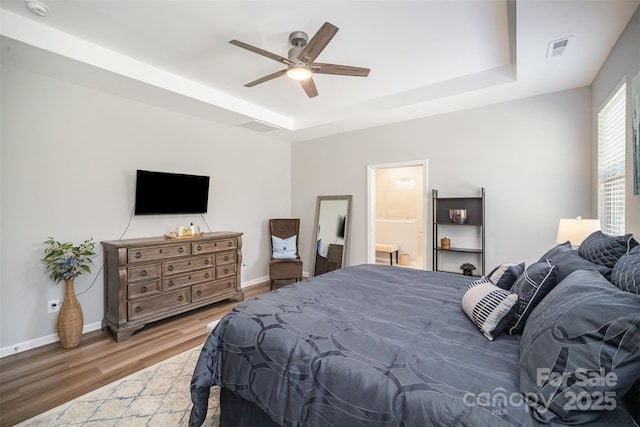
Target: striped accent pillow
column 489, row 307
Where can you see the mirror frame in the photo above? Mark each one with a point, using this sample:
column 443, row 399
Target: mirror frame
column 347, row 231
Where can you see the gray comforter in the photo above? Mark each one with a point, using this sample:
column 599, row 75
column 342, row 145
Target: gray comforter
column 364, row 346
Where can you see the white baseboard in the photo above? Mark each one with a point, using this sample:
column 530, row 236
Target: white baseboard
column 254, row 282
column 39, row 342
column 90, row 327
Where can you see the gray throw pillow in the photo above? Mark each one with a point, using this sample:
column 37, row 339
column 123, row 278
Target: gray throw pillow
column 602, row 249
column 580, row 349
column 532, row 285
column 626, row 273
column 556, row 249
column 505, row 275
column 567, row 260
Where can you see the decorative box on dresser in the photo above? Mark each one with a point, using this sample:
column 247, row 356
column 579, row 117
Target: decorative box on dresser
column 153, row 278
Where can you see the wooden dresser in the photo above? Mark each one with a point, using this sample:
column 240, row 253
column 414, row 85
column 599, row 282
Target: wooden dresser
column 153, row 278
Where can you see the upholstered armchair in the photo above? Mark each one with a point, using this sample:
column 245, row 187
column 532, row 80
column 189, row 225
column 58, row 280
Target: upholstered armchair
column 285, row 261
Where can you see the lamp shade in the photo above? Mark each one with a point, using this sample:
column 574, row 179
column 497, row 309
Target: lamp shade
column 576, row 230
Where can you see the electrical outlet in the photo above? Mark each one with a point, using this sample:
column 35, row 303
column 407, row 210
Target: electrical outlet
column 53, row 306
column 244, row 266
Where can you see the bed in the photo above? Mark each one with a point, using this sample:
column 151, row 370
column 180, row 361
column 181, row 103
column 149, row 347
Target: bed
column 375, row 345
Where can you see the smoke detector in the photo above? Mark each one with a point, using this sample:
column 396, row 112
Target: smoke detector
column 558, row 47
column 37, row 8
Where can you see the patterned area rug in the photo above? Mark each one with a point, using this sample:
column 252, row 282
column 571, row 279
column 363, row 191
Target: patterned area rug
column 155, row 396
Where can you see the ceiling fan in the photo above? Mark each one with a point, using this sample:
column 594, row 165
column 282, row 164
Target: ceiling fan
column 300, row 65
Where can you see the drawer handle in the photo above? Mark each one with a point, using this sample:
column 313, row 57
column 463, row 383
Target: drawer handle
column 160, row 251
column 206, row 261
column 143, row 273
column 180, row 250
column 138, row 255
column 144, row 289
column 226, row 257
column 189, row 263
column 180, row 298
column 189, row 277
column 230, row 244
column 138, row 309
column 199, row 247
column 206, row 275
column 229, row 285
column 170, row 283
column 226, row 271
column 170, row 268
column 199, row 293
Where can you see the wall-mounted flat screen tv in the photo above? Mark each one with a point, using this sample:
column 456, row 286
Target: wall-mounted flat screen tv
column 170, row 193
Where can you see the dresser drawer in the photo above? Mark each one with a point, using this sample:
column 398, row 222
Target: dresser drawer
column 153, row 253
column 225, row 271
column 149, row 306
column 143, row 272
column 211, row 289
column 143, row 289
column 180, row 266
column 181, row 280
column 225, row 258
column 214, row 246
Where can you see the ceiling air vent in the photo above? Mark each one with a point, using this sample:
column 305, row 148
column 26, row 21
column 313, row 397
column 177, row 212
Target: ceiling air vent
column 259, row 126
column 558, row 47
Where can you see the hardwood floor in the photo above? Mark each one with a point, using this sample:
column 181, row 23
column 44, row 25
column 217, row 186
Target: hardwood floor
column 37, row 380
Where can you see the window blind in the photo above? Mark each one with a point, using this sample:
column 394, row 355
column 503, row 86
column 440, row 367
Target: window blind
column 611, row 163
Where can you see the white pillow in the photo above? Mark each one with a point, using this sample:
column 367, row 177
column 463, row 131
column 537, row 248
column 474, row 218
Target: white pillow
column 284, row 248
column 489, row 307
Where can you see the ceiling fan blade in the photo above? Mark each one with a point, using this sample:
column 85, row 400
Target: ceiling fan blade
column 262, row 52
column 267, row 78
column 342, row 70
column 309, row 87
column 318, row 42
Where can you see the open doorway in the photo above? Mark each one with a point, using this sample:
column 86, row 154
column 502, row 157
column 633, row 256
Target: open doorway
column 397, row 214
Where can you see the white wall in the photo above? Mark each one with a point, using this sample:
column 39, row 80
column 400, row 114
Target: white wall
column 623, row 63
column 69, row 156
column 533, row 157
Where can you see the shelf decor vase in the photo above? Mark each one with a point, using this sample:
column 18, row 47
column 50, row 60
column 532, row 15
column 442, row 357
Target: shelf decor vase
column 70, row 318
column 458, row 216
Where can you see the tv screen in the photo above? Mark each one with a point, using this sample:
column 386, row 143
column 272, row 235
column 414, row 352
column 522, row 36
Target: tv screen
column 341, row 226
column 170, row 193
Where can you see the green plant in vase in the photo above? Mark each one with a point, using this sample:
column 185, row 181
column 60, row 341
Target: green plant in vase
column 65, row 262
column 467, row 268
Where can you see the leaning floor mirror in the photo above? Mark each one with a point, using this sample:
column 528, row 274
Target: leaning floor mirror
column 333, row 220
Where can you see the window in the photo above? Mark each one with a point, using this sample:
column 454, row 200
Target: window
column 611, row 162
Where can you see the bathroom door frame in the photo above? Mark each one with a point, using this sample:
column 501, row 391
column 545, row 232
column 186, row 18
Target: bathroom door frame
column 371, row 206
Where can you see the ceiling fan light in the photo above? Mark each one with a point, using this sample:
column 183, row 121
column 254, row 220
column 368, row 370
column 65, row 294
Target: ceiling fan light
column 299, row 73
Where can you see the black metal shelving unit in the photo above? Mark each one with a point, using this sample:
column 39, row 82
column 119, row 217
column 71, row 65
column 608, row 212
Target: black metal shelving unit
column 441, row 221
